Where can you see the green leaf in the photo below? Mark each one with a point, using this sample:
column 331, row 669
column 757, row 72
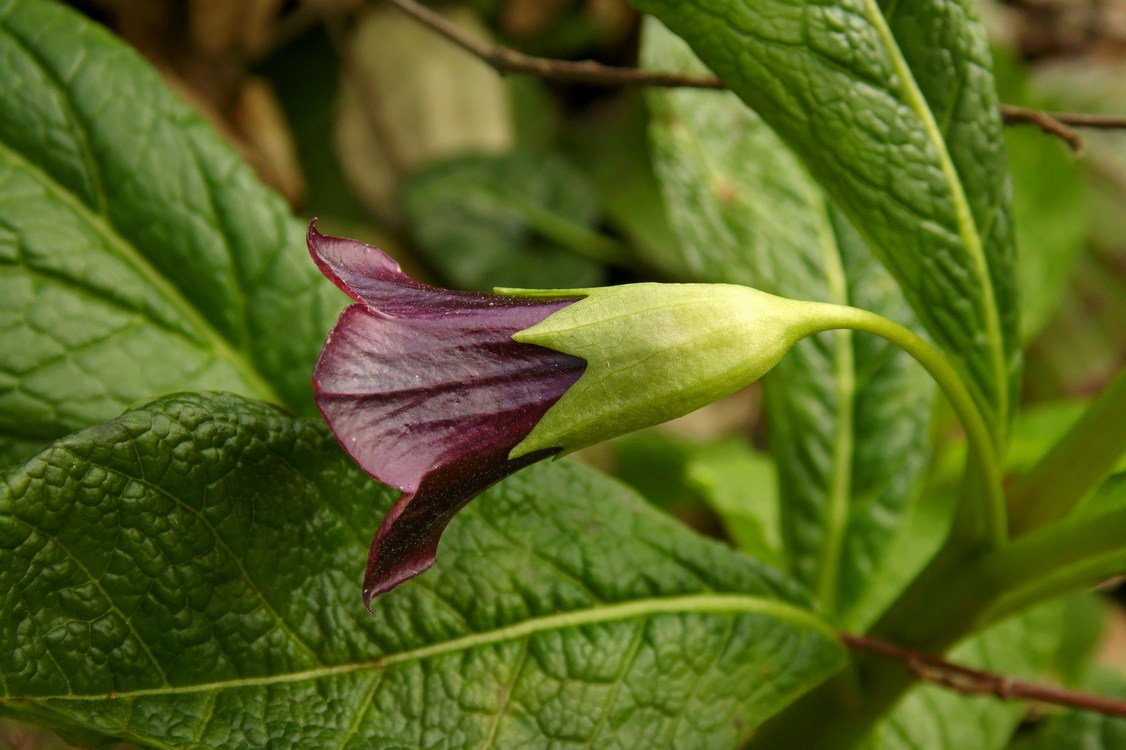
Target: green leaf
column 521, row 220
column 1072, row 554
column 896, row 118
column 932, row 717
column 728, row 477
column 188, row 575
column 741, row 486
column 848, row 413
column 138, row 255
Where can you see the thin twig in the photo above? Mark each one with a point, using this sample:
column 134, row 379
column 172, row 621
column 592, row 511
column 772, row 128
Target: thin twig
column 507, row 60
column 1052, row 123
column 936, row 670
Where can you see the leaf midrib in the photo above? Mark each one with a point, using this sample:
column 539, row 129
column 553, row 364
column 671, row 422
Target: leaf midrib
column 113, row 241
column 967, row 229
column 710, row 603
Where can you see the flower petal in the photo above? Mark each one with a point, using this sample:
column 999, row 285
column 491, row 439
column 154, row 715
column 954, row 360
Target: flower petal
column 427, row 390
column 374, row 279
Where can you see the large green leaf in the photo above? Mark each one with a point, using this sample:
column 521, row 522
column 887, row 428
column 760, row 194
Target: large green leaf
column 138, row 255
column 188, row 575
column 892, row 110
column 848, row 413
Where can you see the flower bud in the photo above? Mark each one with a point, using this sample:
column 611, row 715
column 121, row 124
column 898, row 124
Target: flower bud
column 655, row 352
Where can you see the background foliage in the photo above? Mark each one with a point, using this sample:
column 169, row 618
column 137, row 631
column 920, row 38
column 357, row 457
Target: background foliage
column 181, row 540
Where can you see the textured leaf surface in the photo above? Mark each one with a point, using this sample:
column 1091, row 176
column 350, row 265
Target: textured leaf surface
column 188, row 575
column 138, row 255
column 937, row 718
column 892, row 110
column 848, row 413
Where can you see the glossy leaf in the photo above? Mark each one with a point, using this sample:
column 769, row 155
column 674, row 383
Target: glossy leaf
column 891, row 108
column 847, row 413
column 187, row 575
column 138, row 255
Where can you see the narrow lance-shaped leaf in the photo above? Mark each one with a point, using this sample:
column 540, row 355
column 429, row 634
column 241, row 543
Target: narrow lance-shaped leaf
column 848, row 414
column 896, row 117
column 185, row 576
column 138, row 255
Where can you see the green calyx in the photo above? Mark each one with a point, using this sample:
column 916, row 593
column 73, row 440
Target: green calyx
column 655, row 352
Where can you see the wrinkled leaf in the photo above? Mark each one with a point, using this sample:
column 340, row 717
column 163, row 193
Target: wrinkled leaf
column 138, row 255
column 895, row 116
column 848, row 413
column 520, row 220
column 188, row 575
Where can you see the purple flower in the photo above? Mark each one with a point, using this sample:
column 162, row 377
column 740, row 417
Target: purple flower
column 426, row 389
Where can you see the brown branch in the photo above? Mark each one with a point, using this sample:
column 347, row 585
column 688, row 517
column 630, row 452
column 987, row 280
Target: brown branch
column 938, row 671
column 1052, row 123
column 507, row 60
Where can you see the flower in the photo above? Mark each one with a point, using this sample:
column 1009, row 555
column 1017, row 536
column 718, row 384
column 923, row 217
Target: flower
column 442, row 393
column 426, row 389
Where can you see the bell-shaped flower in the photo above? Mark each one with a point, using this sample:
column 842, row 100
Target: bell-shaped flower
column 427, row 390
column 441, row 393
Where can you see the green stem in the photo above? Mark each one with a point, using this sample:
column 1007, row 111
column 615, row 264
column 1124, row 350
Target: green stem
column 980, row 527
column 974, row 523
column 1058, row 559
column 1075, row 465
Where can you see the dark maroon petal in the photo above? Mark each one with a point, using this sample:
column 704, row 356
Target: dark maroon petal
column 373, row 278
column 427, row 391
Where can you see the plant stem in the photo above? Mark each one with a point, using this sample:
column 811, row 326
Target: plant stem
column 1061, row 558
column 1075, row 465
column 980, row 526
column 975, row 526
